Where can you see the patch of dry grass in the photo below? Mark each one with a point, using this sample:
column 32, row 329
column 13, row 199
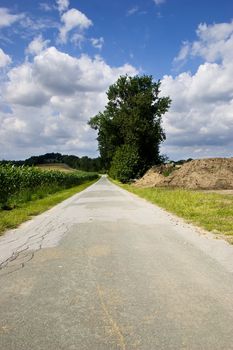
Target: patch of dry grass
column 56, row 166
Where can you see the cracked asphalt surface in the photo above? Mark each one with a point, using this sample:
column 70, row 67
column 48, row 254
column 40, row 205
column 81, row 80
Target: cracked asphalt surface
column 106, row 270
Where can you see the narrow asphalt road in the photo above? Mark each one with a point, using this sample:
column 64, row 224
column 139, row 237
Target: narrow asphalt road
column 105, row 270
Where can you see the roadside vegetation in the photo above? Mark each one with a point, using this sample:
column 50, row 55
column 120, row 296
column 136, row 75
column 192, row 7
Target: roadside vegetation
column 12, row 218
column 28, row 191
column 211, row 211
column 23, row 184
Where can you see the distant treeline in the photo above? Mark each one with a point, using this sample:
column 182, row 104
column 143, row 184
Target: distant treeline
column 83, row 163
column 181, row 161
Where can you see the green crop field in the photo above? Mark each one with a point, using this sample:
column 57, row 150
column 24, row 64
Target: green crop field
column 22, row 184
column 28, row 191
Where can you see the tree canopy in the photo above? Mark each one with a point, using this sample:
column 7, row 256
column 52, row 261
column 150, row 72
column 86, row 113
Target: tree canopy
column 129, row 128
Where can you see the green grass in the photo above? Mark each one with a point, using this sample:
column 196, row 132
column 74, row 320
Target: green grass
column 25, row 211
column 211, row 211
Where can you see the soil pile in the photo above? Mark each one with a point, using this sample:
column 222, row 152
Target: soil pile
column 205, row 174
column 153, row 176
column 213, row 173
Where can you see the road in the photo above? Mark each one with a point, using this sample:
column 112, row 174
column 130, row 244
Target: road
column 106, row 270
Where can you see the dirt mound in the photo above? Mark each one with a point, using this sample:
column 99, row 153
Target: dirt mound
column 152, row 177
column 213, row 173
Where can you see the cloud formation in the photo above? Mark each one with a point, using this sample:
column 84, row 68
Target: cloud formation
column 62, row 5
column 201, row 117
column 4, row 59
column 73, row 19
column 7, row 18
column 37, row 45
column 159, row 2
column 97, row 42
column 51, row 99
column 44, row 6
column 132, row 10
column 214, row 43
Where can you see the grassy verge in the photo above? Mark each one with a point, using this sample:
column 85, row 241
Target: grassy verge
column 211, row 211
column 25, row 211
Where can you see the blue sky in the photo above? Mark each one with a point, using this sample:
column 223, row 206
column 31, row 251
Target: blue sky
column 57, row 59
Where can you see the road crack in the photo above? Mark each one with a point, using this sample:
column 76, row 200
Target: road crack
column 112, row 322
column 25, row 252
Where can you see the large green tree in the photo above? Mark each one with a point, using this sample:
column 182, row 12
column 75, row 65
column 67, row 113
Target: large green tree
column 131, row 121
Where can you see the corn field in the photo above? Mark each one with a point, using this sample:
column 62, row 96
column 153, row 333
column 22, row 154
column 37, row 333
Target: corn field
column 15, row 180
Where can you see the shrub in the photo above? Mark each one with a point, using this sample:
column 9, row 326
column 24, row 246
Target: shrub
column 124, row 164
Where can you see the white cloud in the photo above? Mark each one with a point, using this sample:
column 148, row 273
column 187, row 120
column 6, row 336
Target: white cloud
column 73, row 19
column 50, row 100
column 184, row 52
column 7, row 18
column 97, row 42
column 4, row 59
column 62, row 5
column 37, row 45
column 159, row 2
column 77, row 39
column 23, row 25
column 63, row 74
column 23, row 88
column 214, row 43
column 44, row 6
column 132, row 11
column 32, row 25
column 201, row 116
